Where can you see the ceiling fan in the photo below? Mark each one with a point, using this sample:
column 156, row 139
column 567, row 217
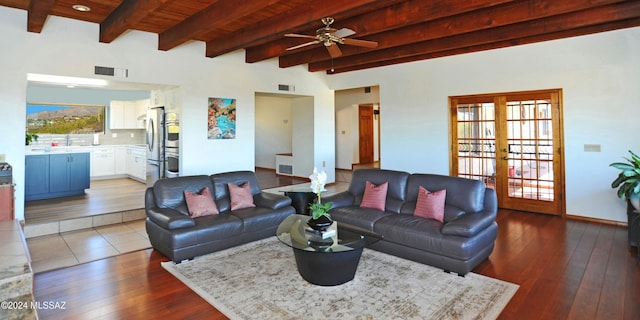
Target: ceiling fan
column 330, row 37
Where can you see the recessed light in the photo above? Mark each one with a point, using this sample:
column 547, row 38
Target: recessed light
column 81, row 8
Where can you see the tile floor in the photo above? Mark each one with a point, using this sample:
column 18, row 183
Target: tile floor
column 75, row 247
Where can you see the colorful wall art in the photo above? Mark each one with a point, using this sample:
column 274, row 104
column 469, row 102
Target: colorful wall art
column 222, row 118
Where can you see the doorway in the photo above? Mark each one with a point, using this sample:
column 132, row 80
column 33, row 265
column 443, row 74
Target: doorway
column 365, row 128
column 512, row 142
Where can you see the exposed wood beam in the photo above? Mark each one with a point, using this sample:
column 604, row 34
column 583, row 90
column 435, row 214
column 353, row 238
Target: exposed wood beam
column 384, row 19
column 498, row 16
column 128, row 13
column 629, row 23
column 565, row 22
column 37, row 14
column 215, row 16
column 275, row 28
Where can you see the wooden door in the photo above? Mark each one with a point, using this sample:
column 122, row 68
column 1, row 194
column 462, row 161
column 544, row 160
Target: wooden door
column 365, row 125
column 513, row 143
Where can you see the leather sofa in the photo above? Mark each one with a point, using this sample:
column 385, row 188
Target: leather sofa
column 179, row 237
column 458, row 244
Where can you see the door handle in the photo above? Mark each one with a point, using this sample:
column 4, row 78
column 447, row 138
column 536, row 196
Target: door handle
column 505, row 158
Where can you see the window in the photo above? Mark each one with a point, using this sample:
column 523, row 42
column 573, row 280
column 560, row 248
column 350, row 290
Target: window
column 65, row 119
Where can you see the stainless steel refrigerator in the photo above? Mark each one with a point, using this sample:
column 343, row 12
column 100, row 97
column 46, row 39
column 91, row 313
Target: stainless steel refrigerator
column 156, row 159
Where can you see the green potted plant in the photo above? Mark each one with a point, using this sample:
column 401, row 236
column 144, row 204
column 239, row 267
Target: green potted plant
column 320, row 218
column 30, row 137
column 628, row 180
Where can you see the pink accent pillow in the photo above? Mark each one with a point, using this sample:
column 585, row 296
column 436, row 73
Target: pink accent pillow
column 430, row 205
column 375, row 197
column 201, row 203
column 241, row 196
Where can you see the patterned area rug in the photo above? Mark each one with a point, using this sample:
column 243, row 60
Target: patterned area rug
column 260, row 280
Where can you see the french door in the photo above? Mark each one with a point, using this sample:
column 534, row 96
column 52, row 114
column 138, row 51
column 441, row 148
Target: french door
column 512, row 142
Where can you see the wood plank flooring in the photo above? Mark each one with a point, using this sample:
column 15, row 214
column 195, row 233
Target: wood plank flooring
column 566, row 269
column 104, row 196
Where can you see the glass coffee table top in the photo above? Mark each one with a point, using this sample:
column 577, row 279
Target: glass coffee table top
column 294, row 232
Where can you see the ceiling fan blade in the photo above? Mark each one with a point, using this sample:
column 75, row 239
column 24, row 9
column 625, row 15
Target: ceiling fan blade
column 360, row 43
column 295, row 35
column 303, row 45
column 334, row 51
column 344, row 32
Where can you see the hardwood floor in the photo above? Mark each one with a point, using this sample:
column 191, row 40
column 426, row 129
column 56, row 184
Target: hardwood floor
column 104, row 196
column 566, row 269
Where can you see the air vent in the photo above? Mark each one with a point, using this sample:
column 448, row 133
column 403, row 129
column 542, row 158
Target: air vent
column 113, row 72
column 285, row 169
column 286, row 87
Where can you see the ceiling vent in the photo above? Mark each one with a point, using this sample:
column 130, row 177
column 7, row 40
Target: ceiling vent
column 113, row 72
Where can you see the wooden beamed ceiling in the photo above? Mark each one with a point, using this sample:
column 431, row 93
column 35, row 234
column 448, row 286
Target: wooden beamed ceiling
column 404, row 30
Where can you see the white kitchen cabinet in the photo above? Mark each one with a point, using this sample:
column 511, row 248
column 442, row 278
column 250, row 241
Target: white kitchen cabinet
column 103, row 162
column 128, row 114
column 120, row 153
column 137, row 163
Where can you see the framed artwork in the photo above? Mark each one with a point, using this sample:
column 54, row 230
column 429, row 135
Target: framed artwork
column 222, row 118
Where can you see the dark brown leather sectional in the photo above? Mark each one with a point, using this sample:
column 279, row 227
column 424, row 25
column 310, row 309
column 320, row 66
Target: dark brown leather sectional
column 459, row 244
column 179, row 237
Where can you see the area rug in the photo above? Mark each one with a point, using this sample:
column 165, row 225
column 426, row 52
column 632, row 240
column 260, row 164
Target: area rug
column 260, row 280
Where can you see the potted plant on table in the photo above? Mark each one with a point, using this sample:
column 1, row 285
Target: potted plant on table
column 628, row 180
column 320, row 217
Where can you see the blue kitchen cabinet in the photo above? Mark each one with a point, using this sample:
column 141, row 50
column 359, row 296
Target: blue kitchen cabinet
column 66, row 174
column 36, row 176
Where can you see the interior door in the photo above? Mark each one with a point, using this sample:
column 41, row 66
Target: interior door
column 365, row 125
column 513, row 143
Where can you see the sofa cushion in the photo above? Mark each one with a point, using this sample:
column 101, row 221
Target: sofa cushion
column 375, row 196
column 241, row 196
column 424, row 234
column 201, row 203
column 357, row 216
column 397, row 181
column 430, row 205
column 221, row 188
column 169, row 193
column 465, row 195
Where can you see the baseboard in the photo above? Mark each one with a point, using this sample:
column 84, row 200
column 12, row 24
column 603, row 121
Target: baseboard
column 596, row 220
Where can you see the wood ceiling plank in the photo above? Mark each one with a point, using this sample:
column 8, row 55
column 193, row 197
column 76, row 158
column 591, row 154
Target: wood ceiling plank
column 126, row 15
column 507, row 14
column 37, row 14
column 215, row 16
column 565, row 22
column 384, row 19
column 609, row 26
column 276, row 27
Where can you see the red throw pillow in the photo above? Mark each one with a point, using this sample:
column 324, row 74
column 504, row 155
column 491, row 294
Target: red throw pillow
column 374, row 197
column 241, row 196
column 430, row 205
column 201, row 203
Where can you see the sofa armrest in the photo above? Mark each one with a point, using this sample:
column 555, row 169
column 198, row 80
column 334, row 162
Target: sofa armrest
column 271, row 201
column 341, row 199
column 169, row 218
column 469, row 224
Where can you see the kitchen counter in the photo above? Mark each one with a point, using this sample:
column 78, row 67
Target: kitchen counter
column 34, row 150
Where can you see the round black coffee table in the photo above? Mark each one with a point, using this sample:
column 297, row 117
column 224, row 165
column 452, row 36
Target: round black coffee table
column 325, row 261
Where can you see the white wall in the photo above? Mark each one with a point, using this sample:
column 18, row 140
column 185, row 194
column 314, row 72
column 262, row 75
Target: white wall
column 71, row 48
column 303, row 130
column 600, row 78
column 273, row 129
